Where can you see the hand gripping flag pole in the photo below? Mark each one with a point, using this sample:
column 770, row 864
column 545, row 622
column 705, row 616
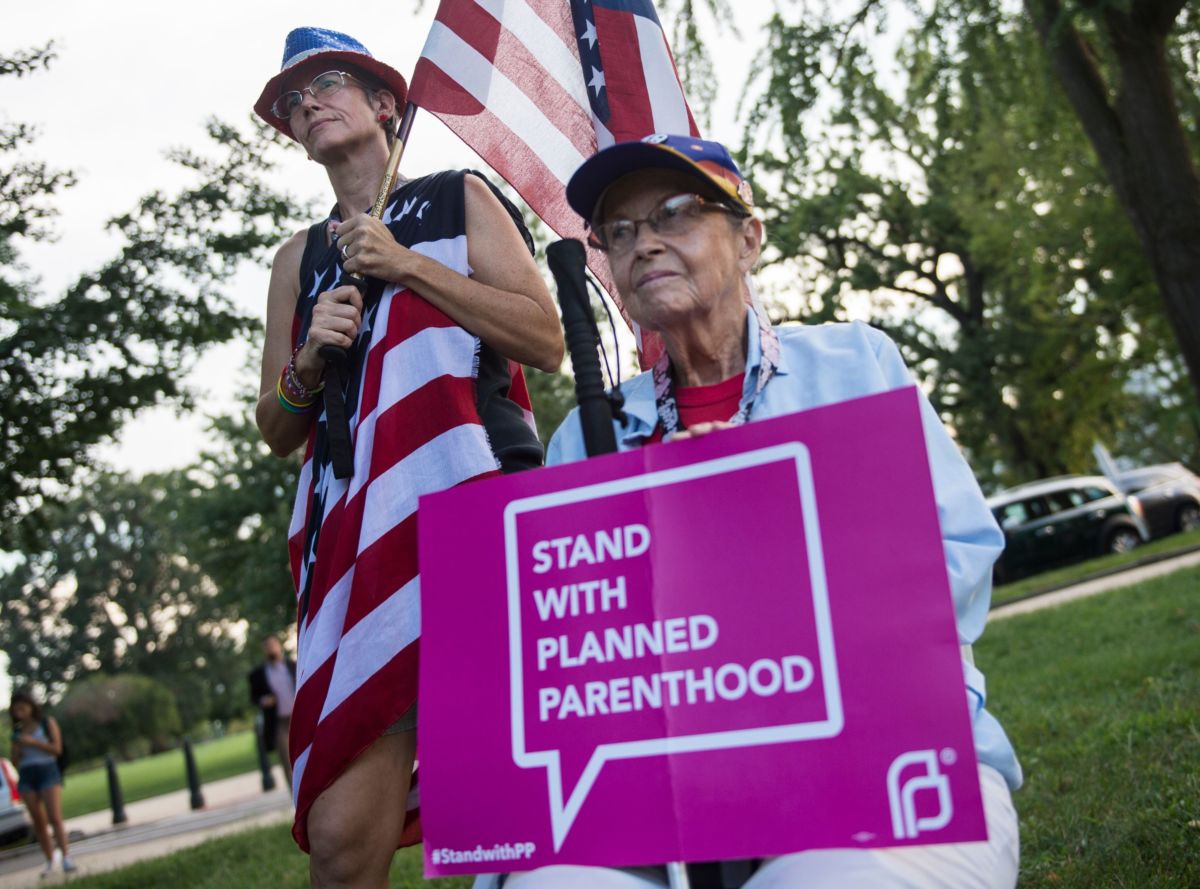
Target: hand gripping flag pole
column 337, row 360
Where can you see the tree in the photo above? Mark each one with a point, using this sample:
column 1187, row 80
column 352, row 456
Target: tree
column 553, row 397
column 118, row 714
column 74, row 368
column 235, row 507
column 959, row 195
column 112, row 592
column 692, row 58
column 1119, row 71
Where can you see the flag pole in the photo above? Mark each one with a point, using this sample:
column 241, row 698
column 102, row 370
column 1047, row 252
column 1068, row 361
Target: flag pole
column 393, row 164
column 341, row 456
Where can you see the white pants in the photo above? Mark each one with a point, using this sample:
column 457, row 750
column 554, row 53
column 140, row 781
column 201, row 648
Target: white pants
column 984, row 865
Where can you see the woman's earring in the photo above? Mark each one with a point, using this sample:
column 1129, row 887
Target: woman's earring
column 383, row 115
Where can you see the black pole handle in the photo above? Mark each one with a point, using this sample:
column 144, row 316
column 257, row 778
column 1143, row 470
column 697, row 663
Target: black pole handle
column 567, row 259
column 337, row 424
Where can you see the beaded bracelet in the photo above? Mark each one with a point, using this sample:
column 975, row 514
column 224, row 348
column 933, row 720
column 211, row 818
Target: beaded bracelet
column 293, row 395
column 294, row 385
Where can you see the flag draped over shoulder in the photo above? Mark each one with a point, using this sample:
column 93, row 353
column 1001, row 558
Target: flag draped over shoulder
column 415, row 429
column 536, row 87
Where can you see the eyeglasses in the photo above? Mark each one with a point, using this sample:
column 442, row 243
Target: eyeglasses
column 322, row 87
column 674, row 215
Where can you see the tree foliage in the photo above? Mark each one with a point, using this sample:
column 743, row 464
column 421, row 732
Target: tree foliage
column 234, row 514
column 1123, row 66
column 553, row 397
column 125, row 715
column 75, row 367
column 684, row 20
column 952, row 184
column 112, row 592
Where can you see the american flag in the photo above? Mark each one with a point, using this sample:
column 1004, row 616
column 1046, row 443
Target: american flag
column 416, row 429
column 536, row 87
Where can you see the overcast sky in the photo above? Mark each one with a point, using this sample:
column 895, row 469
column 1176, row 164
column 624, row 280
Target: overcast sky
column 135, row 77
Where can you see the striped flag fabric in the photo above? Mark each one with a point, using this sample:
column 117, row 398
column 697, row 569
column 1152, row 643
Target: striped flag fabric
column 536, row 87
column 416, row 429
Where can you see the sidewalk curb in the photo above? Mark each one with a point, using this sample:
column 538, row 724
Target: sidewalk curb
column 116, row 846
column 1097, row 575
column 253, row 804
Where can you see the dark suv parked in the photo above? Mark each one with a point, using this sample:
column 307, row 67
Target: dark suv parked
column 1060, row 520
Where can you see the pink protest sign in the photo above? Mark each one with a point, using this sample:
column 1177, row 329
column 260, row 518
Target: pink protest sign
column 732, row 647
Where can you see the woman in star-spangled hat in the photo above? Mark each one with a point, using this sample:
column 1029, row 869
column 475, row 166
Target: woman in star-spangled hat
column 453, row 297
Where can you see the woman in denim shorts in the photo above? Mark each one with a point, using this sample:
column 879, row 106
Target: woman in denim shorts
column 36, row 746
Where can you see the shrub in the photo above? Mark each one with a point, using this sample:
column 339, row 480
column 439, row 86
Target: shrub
column 118, row 714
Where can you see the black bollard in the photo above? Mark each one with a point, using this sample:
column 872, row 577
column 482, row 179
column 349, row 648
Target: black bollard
column 193, row 775
column 116, row 801
column 264, row 762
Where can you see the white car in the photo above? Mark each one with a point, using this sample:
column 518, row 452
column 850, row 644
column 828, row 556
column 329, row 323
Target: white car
column 14, row 820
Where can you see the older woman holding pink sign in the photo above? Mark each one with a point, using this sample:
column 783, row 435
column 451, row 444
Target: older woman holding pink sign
column 675, row 217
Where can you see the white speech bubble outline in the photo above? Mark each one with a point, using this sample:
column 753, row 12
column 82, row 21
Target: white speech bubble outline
column 562, row 815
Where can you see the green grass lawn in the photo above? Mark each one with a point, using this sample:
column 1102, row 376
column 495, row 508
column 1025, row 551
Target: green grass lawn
column 87, row 791
column 1082, row 570
column 1101, row 698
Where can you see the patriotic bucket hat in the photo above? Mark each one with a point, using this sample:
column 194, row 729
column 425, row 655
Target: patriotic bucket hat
column 335, row 48
column 708, row 161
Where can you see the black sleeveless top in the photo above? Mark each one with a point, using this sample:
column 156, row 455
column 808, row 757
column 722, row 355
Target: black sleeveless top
column 424, row 211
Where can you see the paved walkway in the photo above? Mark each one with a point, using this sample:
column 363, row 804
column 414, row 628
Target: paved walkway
column 157, row 826
column 1099, row 585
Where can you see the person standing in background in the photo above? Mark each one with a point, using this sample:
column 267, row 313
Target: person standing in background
column 273, row 691
column 36, row 746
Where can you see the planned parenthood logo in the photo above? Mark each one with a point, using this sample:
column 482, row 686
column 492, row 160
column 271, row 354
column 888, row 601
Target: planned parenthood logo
column 629, row 636
column 909, row 774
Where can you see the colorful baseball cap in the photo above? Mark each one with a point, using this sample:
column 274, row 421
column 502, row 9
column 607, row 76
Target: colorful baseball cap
column 708, row 161
column 334, row 47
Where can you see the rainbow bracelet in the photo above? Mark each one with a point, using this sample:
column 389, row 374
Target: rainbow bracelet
column 292, row 406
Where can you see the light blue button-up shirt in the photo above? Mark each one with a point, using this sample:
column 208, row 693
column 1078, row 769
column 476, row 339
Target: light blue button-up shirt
column 825, row 364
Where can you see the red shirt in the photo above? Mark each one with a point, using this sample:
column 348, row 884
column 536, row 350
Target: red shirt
column 705, row 404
